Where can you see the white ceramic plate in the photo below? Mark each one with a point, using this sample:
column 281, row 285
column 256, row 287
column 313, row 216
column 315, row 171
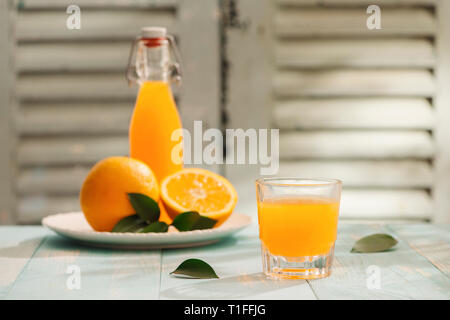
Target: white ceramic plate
column 73, row 225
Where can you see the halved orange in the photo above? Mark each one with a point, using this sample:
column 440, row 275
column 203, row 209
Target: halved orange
column 195, row 189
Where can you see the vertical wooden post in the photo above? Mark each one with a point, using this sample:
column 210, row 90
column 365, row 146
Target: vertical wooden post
column 249, row 84
column 441, row 190
column 198, row 29
column 7, row 136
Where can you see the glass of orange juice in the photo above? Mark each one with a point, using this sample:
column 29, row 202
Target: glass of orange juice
column 297, row 226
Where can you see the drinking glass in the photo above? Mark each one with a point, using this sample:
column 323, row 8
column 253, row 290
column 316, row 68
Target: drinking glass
column 297, row 226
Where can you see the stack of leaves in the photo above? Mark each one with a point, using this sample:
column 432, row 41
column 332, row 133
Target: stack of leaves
column 146, row 218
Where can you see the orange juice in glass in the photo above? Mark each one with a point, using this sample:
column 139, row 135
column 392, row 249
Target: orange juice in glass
column 298, row 226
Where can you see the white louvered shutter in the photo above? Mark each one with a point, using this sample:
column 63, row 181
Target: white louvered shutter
column 351, row 103
column 73, row 104
column 367, row 106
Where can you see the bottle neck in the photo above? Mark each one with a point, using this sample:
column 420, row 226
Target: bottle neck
column 153, row 60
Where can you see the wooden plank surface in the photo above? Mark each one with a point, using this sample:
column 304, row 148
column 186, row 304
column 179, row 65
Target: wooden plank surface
column 354, row 83
column 363, row 113
column 237, row 261
column 356, row 144
column 355, row 53
column 430, row 240
column 404, row 274
column 104, row 273
column 17, row 246
column 415, row 269
column 316, row 22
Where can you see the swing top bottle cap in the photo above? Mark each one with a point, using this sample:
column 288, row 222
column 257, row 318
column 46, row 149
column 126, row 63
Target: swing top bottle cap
column 153, row 32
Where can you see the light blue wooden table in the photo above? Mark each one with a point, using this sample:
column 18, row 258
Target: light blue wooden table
column 34, row 264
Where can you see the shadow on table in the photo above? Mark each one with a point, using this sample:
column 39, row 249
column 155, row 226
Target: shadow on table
column 63, row 246
column 23, row 249
column 67, row 247
column 54, row 242
column 238, row 287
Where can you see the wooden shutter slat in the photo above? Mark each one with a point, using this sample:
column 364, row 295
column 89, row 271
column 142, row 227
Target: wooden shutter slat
column 74, row 118
column 355, row 53
column 95, row 24
column 312, row 22
column 73, row 57
column 353, row 3
column 386, row 204
column 351, row 103
column 70, row 150
column 356, row 144
column 354, row 114
column 361, row 203
column 63, row 180
column 364, row 174
column 75, row 87
column 354, row 83
column 74, row 104
column 97, row 4
column 31, row 209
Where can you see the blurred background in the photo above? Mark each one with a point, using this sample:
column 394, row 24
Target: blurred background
column 369, row 107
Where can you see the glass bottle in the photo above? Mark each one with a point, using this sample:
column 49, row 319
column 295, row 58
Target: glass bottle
column 154, row 63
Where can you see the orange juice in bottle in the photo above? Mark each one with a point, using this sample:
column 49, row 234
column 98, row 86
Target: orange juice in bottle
column 153, row 65
column 154, row 119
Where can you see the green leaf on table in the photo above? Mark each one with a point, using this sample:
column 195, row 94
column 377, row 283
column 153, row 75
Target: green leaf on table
column 129, row 224
column 157, row 226
column 374, row 243
column 192, row 220
column 145, row 207
column 195, row 269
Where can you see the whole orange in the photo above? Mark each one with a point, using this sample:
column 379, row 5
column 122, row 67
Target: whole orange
column 103, row 196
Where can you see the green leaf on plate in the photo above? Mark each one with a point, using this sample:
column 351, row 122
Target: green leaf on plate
column 196, row 269
column 145, row 207
column 129, row 224
column 157, row 226
column 192, row 220
column 374, row 243
column 185, row 221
